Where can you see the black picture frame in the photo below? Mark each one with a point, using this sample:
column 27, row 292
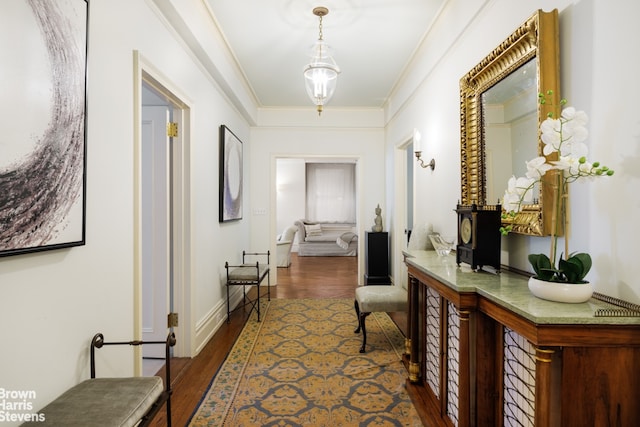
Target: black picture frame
column 43, row 165
column 231, row 169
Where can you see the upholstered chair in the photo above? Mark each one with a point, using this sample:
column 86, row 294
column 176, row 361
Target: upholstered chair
column 285, row 241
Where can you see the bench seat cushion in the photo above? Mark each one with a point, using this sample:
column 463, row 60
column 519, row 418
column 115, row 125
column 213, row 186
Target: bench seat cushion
column 248, row 273
column 107, row 402
column 381, row 298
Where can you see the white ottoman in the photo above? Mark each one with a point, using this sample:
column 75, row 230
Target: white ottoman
column 374, row 298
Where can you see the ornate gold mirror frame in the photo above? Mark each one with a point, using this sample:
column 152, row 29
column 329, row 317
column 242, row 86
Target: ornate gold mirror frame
column 537, row 38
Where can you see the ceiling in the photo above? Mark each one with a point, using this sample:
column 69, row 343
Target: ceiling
column 373, row 41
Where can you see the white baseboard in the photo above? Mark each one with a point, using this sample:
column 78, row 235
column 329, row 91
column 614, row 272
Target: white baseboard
column 211, row 322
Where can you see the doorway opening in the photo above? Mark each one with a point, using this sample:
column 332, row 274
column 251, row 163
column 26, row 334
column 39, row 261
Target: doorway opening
column 290, row 200
column 161, row 219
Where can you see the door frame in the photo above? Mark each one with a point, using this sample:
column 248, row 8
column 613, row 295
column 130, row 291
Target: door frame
column 145, row 72
column 400, row 203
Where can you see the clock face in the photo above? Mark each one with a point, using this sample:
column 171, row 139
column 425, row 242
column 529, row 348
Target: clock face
column 465, row 230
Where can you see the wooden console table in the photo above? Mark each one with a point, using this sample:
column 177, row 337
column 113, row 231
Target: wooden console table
column 485, row 352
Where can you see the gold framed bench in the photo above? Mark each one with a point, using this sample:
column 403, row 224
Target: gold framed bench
column 248, row 274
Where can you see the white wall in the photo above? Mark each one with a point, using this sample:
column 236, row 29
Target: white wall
column 54, row 302
column 290, row 194
column 597, row 75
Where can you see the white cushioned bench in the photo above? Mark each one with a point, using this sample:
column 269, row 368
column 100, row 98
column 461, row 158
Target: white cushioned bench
column 111, row 402
column 377, row 298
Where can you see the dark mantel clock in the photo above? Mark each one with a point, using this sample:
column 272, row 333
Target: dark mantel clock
column 479, row 235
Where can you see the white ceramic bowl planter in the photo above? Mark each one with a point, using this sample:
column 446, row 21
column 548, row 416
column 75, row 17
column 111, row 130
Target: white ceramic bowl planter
column 560, row 292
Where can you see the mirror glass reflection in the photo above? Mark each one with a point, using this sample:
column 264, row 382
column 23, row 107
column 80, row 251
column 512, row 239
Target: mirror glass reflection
column 510, row 134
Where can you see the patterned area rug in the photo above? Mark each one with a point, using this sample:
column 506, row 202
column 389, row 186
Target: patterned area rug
column 301, row 366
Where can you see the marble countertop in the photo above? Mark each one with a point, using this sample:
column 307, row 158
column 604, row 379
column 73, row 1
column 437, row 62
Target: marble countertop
column 510, row 291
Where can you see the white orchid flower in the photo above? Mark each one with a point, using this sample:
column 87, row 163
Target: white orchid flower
column 518, row 193
column 577, row 117
column 537, row 167
column 524, row 187
column 565, row 134
column 569, row 164
column 551, row 125
column 574, row 149
column 511, row 195
column 518, row 185
column 574, row 133
column 551, row 130
column 511, row 202
column 575, row 168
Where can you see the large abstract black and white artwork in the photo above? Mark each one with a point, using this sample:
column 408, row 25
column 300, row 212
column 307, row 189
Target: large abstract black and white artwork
column 230, row 176
column 43, row 51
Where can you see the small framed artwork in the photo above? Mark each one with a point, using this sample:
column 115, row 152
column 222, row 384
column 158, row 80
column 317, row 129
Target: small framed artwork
column 230, row 176
column 43, row 145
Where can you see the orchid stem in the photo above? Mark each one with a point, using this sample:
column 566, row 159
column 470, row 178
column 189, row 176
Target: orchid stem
column 565, row 202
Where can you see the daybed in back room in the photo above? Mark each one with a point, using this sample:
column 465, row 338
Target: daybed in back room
column 326, row 238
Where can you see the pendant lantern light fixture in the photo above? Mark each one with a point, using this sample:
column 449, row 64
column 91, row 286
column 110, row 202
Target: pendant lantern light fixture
column 321, row 74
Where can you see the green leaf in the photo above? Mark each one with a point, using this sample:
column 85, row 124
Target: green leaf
column 570, row 269
column 584, row 261
column 542, row 266
column 574, row 268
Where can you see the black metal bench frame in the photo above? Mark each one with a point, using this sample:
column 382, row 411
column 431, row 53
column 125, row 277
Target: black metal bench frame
column 248, row 281
column 98, row 342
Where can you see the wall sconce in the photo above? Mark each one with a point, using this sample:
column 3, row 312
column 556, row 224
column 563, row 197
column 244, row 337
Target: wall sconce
column 417, row 148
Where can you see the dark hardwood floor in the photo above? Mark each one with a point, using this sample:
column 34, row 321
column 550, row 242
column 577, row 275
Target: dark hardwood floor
column 307, row 277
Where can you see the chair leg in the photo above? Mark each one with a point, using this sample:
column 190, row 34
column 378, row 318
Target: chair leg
column 362, row 318
column 168, row 405
column 357, row 307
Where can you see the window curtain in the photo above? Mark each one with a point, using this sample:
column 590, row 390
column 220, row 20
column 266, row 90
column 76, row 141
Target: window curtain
column 331, row 192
